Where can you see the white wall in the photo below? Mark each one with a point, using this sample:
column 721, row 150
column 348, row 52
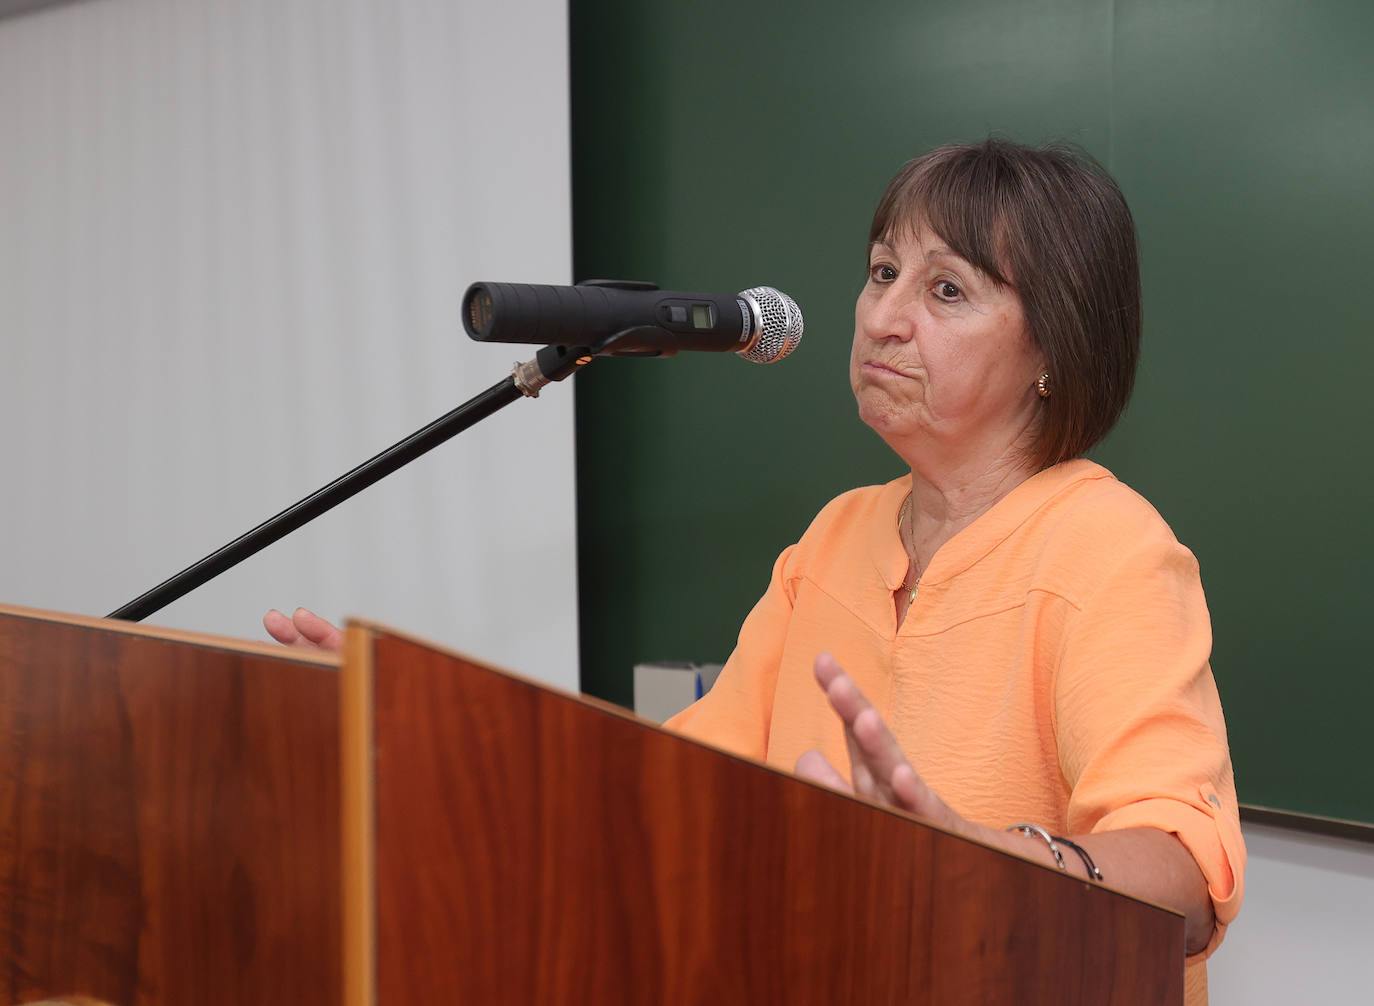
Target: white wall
column 234, row 235
column 1305, row 932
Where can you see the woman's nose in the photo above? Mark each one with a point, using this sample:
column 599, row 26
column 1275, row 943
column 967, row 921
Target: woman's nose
column 889, row 316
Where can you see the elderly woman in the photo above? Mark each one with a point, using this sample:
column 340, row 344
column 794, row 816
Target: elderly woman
column 1007, row 635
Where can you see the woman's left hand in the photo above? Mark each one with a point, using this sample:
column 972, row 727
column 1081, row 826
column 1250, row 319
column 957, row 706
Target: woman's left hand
column 1145, row 862
column 878, row 767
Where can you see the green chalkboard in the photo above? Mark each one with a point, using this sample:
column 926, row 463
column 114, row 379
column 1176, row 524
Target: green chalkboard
column 724, row 145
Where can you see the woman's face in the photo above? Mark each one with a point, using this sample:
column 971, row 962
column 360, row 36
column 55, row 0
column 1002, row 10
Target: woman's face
column 942, row 363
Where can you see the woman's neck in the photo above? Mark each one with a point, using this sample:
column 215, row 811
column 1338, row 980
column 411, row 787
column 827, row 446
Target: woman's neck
column 943, row 503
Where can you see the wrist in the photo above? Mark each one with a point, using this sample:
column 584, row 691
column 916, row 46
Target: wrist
column 1036, row 843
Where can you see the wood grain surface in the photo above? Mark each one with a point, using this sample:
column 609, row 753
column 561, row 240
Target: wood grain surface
column 534, row 847
column 170, row 833
column 358, row 801
column 169, row 817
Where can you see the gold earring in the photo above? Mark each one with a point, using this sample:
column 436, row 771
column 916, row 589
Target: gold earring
column 1042, row 386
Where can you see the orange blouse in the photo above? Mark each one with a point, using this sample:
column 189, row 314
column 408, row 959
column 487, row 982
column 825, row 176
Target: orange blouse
column 1053, row 667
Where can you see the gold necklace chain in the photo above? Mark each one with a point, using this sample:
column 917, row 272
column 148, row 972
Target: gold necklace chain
column 911, row 588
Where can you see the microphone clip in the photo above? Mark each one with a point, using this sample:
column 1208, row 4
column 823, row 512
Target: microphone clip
column 550, row 364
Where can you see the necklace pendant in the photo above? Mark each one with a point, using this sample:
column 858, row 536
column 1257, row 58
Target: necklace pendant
column 911, row 599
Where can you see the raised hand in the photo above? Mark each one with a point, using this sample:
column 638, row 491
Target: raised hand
column 1145, row 862
column 304, row 629
column 878, row 768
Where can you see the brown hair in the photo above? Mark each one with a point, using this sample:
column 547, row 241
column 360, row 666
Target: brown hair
column 1052, row 225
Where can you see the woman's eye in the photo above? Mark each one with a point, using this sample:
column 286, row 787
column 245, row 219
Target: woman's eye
column 946, row 290
column 882, row 273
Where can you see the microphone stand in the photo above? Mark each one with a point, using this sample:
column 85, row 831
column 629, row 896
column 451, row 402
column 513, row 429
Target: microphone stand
column 552, row 363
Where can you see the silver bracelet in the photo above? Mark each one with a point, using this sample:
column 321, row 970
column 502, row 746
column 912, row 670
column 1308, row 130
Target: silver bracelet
column 1029, row 829
column 1093, row 872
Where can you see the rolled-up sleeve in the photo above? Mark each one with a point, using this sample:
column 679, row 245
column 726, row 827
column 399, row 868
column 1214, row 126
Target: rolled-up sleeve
column 1142, row 741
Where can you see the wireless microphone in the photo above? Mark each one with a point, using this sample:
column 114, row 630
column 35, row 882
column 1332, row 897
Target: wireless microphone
column 618, row 318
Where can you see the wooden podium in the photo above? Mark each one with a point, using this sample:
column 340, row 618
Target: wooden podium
column 189, row 819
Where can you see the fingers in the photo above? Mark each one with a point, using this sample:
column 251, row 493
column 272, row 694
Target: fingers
column 814, row 766
column 879, row 748
column 280, row 628
column 844, row 695
column 304, row 629
column 879, row 769
column 874, row 752
column 911, row 792
column 878, row 766
column 827, row 669
column 317, row 630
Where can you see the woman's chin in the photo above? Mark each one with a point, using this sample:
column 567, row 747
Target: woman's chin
column 880, row 409
column 894, row 425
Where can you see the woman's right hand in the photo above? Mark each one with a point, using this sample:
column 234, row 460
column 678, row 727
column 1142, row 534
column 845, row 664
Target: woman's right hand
column 304, row 629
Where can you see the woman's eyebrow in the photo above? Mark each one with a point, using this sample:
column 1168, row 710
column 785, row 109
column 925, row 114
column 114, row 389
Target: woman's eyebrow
column 942, row 252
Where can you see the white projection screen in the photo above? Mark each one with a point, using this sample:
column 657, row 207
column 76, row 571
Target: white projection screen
column 234, row 237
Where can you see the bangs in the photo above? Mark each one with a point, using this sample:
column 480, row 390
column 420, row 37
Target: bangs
column 959, row 193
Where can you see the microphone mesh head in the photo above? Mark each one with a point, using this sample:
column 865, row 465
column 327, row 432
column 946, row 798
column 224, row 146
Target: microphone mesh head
column 779, row 323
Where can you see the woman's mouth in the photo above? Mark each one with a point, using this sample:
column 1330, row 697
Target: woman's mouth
column 879, row 367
